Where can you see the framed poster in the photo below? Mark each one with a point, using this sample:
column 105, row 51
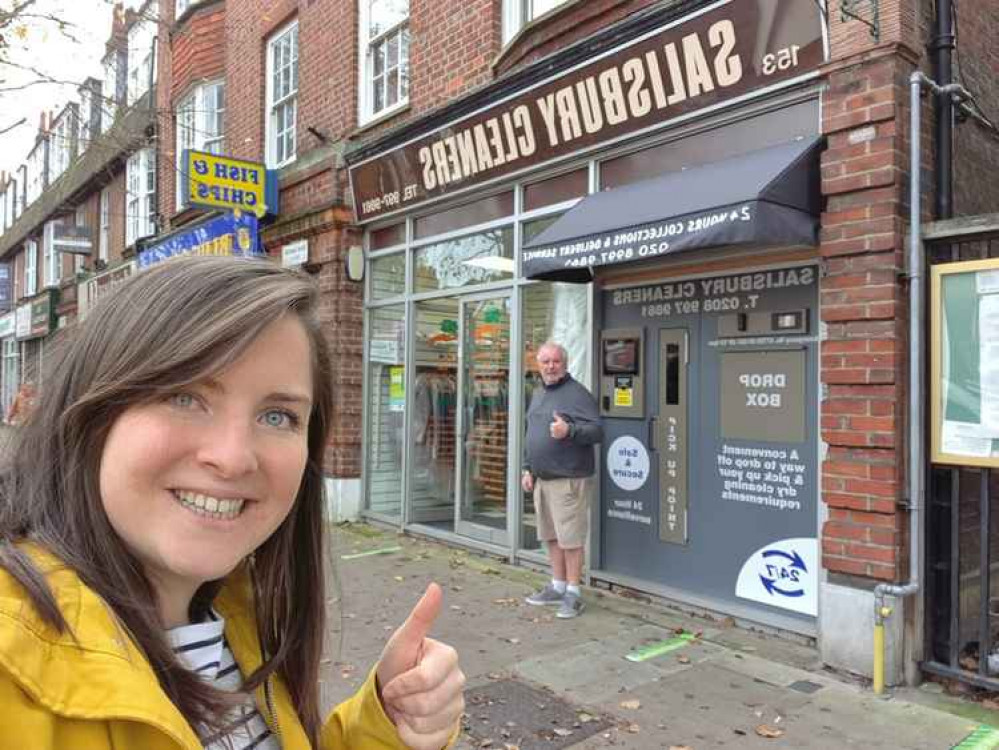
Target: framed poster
column 964, row 362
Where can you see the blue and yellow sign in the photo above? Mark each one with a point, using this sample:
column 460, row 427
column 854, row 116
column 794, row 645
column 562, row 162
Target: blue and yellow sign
column 235, row 233
column 213, row 181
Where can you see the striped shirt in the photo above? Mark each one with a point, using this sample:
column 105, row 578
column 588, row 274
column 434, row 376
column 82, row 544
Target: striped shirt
column 202, row 648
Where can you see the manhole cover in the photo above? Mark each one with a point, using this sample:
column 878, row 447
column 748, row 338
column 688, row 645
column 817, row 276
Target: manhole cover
column 805, row 686
column 512, row 713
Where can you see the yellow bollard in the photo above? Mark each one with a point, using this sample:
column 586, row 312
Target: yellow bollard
column 879, row 657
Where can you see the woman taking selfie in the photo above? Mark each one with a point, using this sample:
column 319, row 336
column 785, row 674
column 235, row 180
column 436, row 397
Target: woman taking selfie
column 161, row 535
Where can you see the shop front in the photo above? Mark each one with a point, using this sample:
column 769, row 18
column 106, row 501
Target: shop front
column 654, row 209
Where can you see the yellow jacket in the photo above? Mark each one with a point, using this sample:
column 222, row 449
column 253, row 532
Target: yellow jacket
column 99, row 691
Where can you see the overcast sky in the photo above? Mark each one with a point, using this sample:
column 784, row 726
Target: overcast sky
column 49, row 51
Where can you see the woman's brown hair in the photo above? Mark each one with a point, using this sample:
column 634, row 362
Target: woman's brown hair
column 167, row 328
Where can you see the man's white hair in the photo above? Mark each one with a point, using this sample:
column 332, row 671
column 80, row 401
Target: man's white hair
column 558, row 347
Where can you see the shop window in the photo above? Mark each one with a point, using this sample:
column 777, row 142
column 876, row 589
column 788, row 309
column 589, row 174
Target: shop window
column 532, row 229
column 452, row 219
column 386, row 237
column 386, row 408
column 563, row 187
column 552, row 312
column 519, row 13
column 282, row 95
column 140, row 204
column 388, row 276
column 141, row 57
column 473, row 259
column 434, row 404
column 11, row 373
column 30, row 268
column 200, row 126
column 384, row 65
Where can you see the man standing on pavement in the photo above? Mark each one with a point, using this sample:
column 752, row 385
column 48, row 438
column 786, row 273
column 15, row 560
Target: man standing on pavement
column 563, row 425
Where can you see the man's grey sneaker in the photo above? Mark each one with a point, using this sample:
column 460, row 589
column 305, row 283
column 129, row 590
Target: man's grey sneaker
column 571, row 606
column 547, row 595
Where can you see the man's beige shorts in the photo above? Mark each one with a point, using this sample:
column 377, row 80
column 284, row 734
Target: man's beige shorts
column 563, row 508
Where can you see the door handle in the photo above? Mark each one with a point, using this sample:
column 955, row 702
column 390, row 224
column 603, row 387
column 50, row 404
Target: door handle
column 653, row 434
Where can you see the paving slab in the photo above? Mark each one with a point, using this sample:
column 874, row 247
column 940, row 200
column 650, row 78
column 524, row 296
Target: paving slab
column 714, row 691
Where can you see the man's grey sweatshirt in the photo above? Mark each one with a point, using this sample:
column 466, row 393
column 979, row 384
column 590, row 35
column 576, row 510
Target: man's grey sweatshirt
column 549, row 458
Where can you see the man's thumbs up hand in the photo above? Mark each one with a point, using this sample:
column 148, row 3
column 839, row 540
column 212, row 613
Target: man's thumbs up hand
column 421, row 682
column 559, row 428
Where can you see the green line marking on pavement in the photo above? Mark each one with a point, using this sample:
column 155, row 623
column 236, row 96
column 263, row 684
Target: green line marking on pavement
column 370, row 552
column 983, row 738
column 662, row 647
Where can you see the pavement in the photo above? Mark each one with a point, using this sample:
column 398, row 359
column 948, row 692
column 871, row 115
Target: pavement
column 537, row 682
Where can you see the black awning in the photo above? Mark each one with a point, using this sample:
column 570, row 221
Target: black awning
column 768, row 197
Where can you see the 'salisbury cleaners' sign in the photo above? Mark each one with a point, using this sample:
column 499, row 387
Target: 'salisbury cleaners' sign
column 727, row 50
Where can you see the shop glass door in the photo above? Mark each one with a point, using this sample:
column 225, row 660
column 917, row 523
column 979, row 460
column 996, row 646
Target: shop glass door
column 483, row 412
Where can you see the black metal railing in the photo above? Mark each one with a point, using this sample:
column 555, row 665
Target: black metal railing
column 962, row 541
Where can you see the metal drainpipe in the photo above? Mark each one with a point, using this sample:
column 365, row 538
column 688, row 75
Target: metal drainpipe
column 917, row 358
column 943, row 72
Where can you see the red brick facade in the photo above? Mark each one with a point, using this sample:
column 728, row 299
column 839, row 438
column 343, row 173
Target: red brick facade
column 456, row 48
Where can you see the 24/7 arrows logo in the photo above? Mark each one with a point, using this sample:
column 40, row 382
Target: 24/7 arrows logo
column 782, row 574
column 784, row 569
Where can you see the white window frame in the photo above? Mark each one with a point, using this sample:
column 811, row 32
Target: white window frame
column 109, row 91
column 183, row 5
column 61, row 145
column 140, row 198
column 518, row 13
column 366, row 65
column 51, row 270
column 30, row 268
column 104, row 241
column 81, row 221
column 282, row 146
column 200, row 126
column 141, row 59
column 35, row 166
column 85, row 116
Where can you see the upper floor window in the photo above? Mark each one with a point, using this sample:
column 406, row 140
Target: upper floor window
column 89, row 114
column 282, row 95
column 140, row 203
column 3, row 209
column 36, row 173
column 200, row 125
column 384, row 84
column 50, row 258
column 61, row 145
column 141, row 58
column 109, row 91
column 21, row 191
column 183, row 5
column 519, row 13
column 104, row 241
column 30, row 268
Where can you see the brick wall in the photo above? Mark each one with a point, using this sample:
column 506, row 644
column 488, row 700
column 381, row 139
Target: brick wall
column 198, row 49
column 865, row 114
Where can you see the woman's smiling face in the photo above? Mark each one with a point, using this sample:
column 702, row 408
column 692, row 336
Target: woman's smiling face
column 195, row 481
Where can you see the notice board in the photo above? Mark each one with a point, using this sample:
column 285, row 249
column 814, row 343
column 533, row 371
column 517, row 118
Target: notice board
column 964, row 361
